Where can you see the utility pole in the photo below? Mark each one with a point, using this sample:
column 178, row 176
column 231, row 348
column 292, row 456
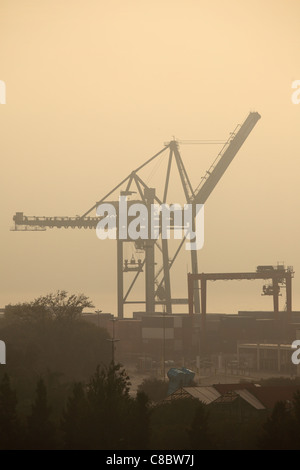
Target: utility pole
column 98, row 317
column 164, row 343
column 113, row 340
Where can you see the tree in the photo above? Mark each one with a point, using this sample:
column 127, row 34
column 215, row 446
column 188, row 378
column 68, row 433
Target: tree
column 296, row 406
column 170, row 422
column 102, row 415
column 109, row 401
column 140, row 422
column 9, row 423
column 278, row 431
column 296, row 415
column 50, row 334
column 199, row 431
column 55, row 306
column 75, row 425
column 40, row 429
column 98, row 415
column 155, row 389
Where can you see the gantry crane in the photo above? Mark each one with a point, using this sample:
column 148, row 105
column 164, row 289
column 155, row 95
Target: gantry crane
column 157, row 284
column 280, row 277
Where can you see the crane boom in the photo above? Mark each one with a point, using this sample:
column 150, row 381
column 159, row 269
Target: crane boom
column 224, row 158
column 58, row 222
column 199, row 196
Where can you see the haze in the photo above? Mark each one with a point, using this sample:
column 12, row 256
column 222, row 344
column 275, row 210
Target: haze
column 95, row 88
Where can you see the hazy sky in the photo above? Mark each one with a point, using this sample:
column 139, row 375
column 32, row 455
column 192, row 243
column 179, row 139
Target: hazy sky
column 96, row 87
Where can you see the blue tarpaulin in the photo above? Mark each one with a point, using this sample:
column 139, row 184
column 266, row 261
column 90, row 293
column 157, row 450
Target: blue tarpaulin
column 179, row 378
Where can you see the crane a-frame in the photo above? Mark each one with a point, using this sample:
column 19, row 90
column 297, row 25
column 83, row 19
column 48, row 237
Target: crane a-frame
column 157, row 284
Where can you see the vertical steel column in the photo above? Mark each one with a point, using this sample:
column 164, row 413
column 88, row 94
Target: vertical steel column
column 275, row 297
column 194, row 259
column 191, row 293
column 165, row 247
column 289, row 295
column 167, row 282
column 189, row 195
column 149, row 256
column 120, row 285
column 203, row 303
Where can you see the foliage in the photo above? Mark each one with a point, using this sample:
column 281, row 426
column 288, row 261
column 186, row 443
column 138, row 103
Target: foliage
column 40, row 429
column 278, row 431
column 48, row 402
column 9, row 422
column 155, row 389
column 102, row 415
column 141, row 417
column 170, row 424
column 198, row 433
column 75, row 419
column 55, row 306
column 49, row 334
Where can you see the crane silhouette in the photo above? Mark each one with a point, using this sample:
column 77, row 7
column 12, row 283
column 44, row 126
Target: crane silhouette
column 157, row 284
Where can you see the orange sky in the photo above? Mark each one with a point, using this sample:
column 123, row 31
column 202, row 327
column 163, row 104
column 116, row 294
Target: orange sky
column 96, row 87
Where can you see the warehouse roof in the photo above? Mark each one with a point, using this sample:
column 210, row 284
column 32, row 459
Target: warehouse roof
column 204, row 394
column 257, row 396
column 223, row 388
column 251, row 399
column 230, row 396
column 269, row 396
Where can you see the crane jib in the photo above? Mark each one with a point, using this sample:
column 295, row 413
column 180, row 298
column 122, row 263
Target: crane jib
column 199, row 196
column 231, row 148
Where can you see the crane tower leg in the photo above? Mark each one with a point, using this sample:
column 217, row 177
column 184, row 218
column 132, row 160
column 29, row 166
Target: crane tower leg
column 275, row 298
column 120, row 286
column 203, row 303
column 167, row 276
column 289, row 295
column 196, row 288
column 150, row 258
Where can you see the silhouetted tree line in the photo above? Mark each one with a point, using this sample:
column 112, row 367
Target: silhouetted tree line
column 101, row 414
column 98, row 415
column 46, row 402
column 49, row 338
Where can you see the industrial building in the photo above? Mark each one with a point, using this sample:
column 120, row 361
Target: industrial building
column 266, row 357
column 247, row 341
column 240, row 402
